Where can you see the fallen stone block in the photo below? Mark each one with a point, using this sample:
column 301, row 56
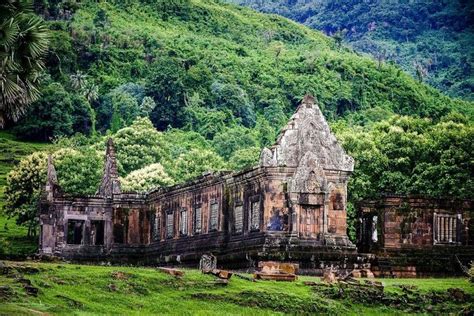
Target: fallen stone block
column 366, row 273
column 207, row 262
column 274, row 276
column 274, row 266
column 362, row 273
column 329, row 276
column 171, row 271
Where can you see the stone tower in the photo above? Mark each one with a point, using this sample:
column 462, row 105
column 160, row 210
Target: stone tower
column 110, row 183
column 52, row 188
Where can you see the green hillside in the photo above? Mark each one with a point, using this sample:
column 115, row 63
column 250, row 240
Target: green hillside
column 204, row 62
column 432, row 40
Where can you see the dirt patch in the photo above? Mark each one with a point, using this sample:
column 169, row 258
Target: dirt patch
column 29, row 288
column 10, row 269
column 6, row 293
column 119, row 275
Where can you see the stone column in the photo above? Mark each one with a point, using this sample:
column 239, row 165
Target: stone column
column 453, row 229
column 325, row 214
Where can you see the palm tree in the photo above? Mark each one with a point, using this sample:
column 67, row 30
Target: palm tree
column 91, row 92
column 23, row 44
column 78, row 80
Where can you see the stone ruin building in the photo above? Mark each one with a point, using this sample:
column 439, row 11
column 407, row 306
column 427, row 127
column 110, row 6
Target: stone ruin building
column 415, row 235
column 290, row 207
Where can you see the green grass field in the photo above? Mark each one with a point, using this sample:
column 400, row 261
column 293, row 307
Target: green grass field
column 13, row 240
column 80, row 289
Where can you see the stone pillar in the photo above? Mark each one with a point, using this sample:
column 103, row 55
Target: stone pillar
column 441, row 229
column 325, row 213
column 453, row 229
column 440, row 236
column 110, row 184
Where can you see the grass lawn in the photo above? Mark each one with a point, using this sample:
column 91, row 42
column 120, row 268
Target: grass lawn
column 13, row 240
column 82, row 289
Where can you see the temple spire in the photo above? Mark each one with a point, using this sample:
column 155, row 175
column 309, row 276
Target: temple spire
column 307, row 132
column 110, row 184
column 52, row 185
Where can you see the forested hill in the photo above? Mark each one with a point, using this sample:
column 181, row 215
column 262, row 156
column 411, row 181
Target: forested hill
column 432, row 40
column 204, row 63
column 189, row 86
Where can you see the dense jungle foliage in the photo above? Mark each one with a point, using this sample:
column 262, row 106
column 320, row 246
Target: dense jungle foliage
column 187, row 86
column 432, row 40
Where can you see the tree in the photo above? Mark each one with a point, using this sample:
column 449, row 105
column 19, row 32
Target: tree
column 406, row 155
column 78, row 80
column 150, row 177
column 138, row 145
column 244, row 158
column 79, row 171
column 170, row 8
column 166, row 85
column 23, row 44
column 50, row 116
column 122, row 105
column 89, row 90
column 233, row 139
column 233, row 97
column 205, row 121
column 57, row 113
column 194, row 163
column 22, row 190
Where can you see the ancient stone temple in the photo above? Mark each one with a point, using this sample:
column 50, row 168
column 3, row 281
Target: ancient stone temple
column 290, row 207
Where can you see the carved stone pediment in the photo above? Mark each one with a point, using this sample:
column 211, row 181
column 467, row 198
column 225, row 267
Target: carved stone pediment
column 308, row 131
column 309, row 176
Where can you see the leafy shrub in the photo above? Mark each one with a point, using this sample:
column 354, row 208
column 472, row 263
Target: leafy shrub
column 150, row 177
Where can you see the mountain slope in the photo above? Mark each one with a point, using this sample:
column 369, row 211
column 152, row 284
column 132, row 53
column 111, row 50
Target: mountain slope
column 225, row 58
column 429, row 39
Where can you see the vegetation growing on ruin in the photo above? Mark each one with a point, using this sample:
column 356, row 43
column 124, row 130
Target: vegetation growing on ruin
column 66, row 288
column 432, row 40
